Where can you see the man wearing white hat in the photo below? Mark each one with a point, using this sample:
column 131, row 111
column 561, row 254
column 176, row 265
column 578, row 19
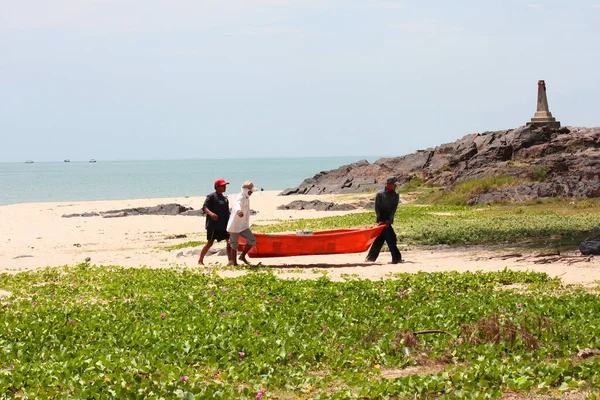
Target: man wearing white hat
column 239, row 222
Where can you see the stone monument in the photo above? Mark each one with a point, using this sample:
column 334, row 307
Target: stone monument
column 542, row 116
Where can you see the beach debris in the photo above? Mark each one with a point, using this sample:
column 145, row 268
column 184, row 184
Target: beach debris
column 87, row 214
column 77, row 244
column 115, row 215
column 179, row 236
column 567, row 259
column 23, row 256
column 88, row 259
column 587, row 352
column 193, row 213
column 196, row 252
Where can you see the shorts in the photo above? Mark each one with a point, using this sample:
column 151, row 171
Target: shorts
column 246, row 234
column 216, row 234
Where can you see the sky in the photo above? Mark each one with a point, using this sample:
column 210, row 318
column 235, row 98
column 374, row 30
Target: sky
column 190, row 79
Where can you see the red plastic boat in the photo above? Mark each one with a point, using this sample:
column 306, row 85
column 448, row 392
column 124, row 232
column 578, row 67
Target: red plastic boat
column 336, row 241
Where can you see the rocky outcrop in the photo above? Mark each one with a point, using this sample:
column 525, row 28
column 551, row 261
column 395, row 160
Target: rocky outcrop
column 550, row 162
column 317, row 205
column 161, row 209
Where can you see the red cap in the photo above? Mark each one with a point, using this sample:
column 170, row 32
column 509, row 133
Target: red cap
column 220, row 182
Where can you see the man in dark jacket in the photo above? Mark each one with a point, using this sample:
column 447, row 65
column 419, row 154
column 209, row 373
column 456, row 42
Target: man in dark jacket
column 386, row 203
column 216, row 208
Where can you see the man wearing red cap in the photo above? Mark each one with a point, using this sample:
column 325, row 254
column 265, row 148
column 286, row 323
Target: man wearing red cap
column 216, row 208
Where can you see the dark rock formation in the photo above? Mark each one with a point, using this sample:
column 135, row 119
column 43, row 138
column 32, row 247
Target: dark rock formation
column 591, row 245
column 551, row 162
column 161, row 209
column 317, row 205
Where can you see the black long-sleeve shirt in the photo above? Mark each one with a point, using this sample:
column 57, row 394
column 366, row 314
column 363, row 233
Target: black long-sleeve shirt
column 386, row 205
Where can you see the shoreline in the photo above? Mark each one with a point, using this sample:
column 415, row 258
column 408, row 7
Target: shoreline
column 34, row 235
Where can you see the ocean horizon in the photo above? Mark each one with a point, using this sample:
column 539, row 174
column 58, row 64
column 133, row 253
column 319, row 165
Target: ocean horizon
column 37, row 182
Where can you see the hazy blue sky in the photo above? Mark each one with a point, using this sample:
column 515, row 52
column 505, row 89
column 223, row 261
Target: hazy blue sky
column 158, row 79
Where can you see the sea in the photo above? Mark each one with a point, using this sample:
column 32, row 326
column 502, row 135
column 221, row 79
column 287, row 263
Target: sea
column 119, row 180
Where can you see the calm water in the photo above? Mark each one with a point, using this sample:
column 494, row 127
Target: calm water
column 113, row 180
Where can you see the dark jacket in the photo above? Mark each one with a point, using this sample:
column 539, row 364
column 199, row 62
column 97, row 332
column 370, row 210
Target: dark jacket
column 386, row 205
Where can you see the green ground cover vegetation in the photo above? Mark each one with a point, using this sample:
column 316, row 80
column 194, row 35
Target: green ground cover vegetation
column 100, row 332
column 110, row 332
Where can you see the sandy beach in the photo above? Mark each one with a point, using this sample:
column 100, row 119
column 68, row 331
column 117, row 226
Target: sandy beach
column 34, row 236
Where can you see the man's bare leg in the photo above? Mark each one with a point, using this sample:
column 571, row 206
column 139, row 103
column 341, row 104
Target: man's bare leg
column 207, row 246
column 231, row 255
column 247, row 248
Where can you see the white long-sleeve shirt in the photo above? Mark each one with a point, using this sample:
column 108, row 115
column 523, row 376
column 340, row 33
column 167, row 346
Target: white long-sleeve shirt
column 236, row 223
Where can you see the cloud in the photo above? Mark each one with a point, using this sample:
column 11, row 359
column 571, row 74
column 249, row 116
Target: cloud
column 388, row 5
column 270, row 31
column 149, row 15
column 427, row 28
column 595, row 5
column 536, row 6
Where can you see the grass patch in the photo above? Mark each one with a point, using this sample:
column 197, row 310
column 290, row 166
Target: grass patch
column 184, row 245
column 112, row 332
column 462, row 192
column 559, row 222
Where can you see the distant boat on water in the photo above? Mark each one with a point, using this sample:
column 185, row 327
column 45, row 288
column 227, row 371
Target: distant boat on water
column 92, row 160
column 29, row 162
column 67, row 160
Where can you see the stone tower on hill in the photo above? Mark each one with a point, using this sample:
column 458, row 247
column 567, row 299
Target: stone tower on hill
column 542, row 116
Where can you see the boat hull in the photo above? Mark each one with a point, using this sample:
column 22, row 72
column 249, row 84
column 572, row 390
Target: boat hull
column 337, row 241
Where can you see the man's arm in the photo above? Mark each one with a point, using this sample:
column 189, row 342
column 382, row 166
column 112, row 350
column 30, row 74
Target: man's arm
column 394, row 208
column 206, row 208
column 237, row 207
column 378, row 205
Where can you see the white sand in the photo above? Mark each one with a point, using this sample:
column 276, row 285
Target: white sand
column 35, row 235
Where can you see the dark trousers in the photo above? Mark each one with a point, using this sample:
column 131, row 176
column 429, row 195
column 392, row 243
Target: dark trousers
column 388, row 236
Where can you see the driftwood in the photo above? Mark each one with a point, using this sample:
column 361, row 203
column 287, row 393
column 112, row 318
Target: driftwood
column 432, row 331
column 543, row 258
column 569, row 259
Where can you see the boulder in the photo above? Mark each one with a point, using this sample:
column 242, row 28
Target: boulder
column 161, row 209
column 590, row 246
column 316, row 205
